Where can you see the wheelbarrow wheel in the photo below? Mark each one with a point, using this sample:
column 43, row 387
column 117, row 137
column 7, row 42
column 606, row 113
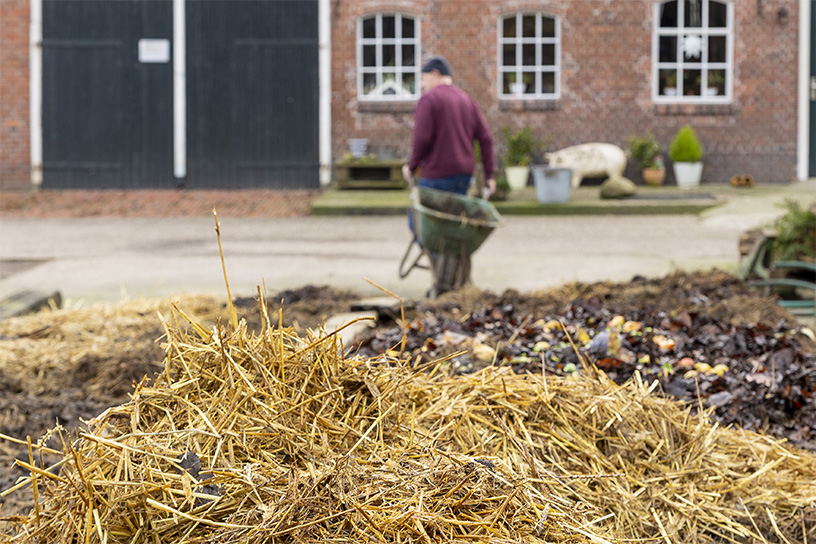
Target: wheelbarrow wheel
column 450, row 272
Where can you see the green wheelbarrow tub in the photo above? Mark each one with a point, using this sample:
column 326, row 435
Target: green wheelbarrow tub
column 451, row 223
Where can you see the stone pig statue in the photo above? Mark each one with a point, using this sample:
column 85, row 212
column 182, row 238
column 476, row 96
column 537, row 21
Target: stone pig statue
column 589, row 160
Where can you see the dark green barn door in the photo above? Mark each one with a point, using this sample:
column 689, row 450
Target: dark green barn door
column 107, row 116
column 252, row 94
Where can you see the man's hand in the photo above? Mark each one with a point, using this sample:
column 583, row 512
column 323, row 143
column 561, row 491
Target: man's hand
column 490, row 185
column 407, row 175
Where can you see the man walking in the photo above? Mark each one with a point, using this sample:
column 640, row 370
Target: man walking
column 447, row 122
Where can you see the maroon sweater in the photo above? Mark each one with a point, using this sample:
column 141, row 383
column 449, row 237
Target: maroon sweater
column 446, row 124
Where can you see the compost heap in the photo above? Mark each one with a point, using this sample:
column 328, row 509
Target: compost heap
column 272, row 437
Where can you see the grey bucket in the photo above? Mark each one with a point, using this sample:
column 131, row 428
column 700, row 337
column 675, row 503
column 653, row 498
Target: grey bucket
column 552, row 185
column 358, row 147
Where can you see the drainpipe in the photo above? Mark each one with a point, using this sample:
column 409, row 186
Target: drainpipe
column 324, row 97
column 35, row 93
column 179, row 90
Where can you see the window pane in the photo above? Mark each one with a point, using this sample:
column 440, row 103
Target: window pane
column 407, row 27
column 693, row 13
column 509, row 27
column 389, row 26
column 668, row 49
column 528, row 78
column 691, row 82
column 389, row 55
column 716, row 49
column 528, row 54
column 547, row 27
column 408, row 55
column 717, row 15
column 508, row 55
column 548, row 82
column 668, row 14
column 508, row 81
column 716, row 83
column 409, row 83
column 528, row 26
column 370, row 27
column 667, row 82
column 369, row 55
column 548, row 54
column 369, row 83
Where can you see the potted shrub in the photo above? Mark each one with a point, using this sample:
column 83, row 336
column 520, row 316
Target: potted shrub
column 646, row 152
column 687, row 154
column 520, row 148
column 669, row 82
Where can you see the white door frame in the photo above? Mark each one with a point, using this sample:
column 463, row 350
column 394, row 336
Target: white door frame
column 803, row 128
column 324, row 93
column 324, row 99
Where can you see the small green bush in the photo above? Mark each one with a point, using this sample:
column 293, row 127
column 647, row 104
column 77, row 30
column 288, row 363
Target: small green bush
column 645, row 151
column 686, row 147
column 795, row 234
column 520, row 146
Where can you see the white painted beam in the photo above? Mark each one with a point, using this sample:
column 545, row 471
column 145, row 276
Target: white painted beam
column 324, row 83
column 35, row 93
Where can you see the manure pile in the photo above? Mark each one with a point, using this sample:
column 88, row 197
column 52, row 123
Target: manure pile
column 271, row 437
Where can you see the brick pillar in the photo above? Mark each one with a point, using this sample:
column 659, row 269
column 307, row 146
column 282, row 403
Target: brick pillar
column 15, row 157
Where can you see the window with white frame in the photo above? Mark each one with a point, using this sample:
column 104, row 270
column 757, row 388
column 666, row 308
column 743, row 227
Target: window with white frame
column 388, row 57
column 692, row 51
column 529, row 56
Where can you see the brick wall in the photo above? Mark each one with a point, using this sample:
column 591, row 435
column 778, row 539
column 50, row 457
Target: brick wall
column 14, row 94
column 606, row 93
column 605, row 88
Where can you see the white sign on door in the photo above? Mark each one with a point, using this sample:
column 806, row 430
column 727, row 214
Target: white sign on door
column 154, row 50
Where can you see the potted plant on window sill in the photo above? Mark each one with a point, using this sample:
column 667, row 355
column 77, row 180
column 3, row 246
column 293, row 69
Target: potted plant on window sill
column 670, row 85
column 516, row 87
column 647, row 153
column 520, row 148
column 687, row 154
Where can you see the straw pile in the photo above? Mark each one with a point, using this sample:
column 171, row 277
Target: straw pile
column 247, row 438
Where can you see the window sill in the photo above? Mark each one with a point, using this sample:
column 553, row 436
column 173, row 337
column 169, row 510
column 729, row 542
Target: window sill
column 529, row 105
column 385, row 106
column 694, row 109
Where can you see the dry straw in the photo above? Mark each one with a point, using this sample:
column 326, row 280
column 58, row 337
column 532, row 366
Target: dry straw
column 270, row 437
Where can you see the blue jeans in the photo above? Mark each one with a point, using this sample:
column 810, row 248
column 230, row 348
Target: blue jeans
column 458, row 184
column 454, row 184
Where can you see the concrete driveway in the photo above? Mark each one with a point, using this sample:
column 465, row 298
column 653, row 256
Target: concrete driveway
column 92, row 260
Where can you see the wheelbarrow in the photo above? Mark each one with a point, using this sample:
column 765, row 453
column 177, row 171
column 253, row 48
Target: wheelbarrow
column 448, row 229
column 794, row 282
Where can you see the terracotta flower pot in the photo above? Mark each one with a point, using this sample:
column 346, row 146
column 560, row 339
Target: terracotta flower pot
column 654, row 176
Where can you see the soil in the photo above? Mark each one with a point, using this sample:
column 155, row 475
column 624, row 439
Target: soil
column 660, row 328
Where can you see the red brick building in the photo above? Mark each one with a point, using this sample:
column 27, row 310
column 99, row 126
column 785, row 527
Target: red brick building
column 576, row 71
column 607, row 84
